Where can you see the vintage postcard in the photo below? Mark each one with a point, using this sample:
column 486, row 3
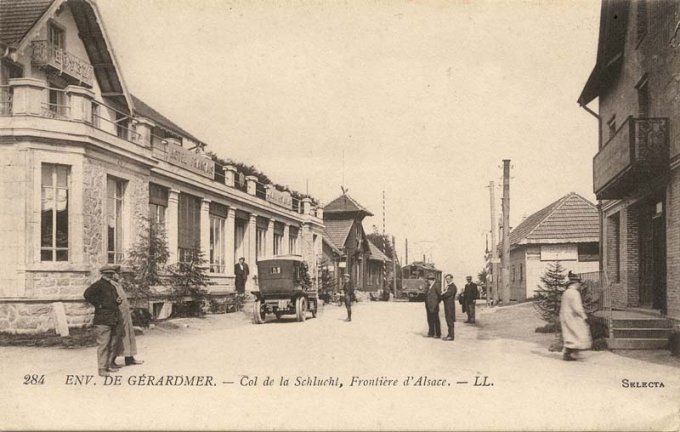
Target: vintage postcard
column 339, row 215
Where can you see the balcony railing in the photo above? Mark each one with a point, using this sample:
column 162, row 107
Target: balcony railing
column 636, row 154
column 50, row 56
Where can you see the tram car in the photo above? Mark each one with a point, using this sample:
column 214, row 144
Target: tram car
column 284, row 289
column 414, row 279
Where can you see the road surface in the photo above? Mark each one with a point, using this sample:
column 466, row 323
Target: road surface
column 341, row 375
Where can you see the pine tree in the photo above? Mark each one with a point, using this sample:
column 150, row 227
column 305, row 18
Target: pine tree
column 146, row 260
column 189, row 278
column 549, row 296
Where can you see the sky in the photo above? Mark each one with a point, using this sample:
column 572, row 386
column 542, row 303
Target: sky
column 421, row 99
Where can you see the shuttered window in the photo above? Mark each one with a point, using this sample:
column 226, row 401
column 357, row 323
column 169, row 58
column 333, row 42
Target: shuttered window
column 189, row 236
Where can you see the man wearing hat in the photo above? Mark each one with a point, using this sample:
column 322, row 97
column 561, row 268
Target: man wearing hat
column 575, row 330
column 104, row 297
column 349, row 295
column 126, row 342
column 470, row 294
column 432, row 298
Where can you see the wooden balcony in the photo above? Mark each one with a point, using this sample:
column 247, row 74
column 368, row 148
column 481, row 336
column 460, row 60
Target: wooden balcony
column 637, row 154
column 72, row 68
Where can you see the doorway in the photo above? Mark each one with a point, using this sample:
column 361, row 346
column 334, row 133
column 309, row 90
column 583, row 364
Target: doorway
column 652, row 226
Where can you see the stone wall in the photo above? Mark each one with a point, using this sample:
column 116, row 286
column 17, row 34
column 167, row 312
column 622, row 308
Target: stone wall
column 38, row 317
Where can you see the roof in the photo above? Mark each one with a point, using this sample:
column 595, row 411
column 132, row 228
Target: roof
column 338, row 230
column 610, row 45
column 327, row 238
column 570, row 219
column 345, row 204
column 376, row 253
column 18, row 16
column 144, row 110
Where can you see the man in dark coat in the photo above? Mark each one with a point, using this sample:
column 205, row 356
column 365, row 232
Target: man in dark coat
column 471, row 294
column 449, row 300
column 432, row 299
column 241, row 271
column 348, row 288
column 104, row 297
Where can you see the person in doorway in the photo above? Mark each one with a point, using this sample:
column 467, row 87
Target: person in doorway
column 449, row 300
column 575, row 329
column 349, row 295
column 103, row 296
column 432, row 299
column 126, row 342
column 241, row 271
column 470, row 294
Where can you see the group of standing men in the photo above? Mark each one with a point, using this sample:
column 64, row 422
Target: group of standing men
column 112, row 321
column 434, row 295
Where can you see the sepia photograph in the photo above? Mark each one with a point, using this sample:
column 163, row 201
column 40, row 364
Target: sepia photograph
column 340, row 215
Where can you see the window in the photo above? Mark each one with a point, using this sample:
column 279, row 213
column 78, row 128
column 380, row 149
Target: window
column 642, row 20
column 611, row 125
column 588, row 252
column 189, row 236
column 259, row 245
column 115, row 190
column 521, row 272
column 217, row 244
column 643, row 97
column 54, row 213
column 57, row 102
column 613, row 245
column 513, row 273
column 55, row 36
column 95, row 115
column 278, row 238
column 218, row 218
column 158, row 204
column 292, row 240
column 122, row 123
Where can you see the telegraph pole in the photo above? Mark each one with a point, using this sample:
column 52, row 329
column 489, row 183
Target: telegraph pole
column 505, row 259
column 406, row 251
column 394, row 267
column 494, row 252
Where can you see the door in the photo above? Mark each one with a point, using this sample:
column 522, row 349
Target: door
column 659, row 259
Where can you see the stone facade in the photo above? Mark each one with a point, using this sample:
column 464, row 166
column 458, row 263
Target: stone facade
column 125, row 141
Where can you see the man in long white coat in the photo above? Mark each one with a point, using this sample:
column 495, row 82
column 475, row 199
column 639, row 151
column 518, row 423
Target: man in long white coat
column 575, row 329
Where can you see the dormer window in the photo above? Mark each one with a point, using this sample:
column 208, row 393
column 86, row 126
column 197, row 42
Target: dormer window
column 55, row 36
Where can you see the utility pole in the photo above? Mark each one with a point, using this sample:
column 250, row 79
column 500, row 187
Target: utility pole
column 406, row 251
column 505, row 259
column 394, row 268
column 495, row 276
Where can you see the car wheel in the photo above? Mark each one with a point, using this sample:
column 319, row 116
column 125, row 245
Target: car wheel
column 301, row 309
column 258, row 313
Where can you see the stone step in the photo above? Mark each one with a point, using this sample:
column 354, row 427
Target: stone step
column 642, row 333
column 642, row 323
column 638, row 343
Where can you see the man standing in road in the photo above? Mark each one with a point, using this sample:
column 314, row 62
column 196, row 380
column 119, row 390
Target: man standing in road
column 126, row 342
column 575, row 330
column 470, row 294
column 349, row 295
column 241, row 271
column 104, row 297
column 432, row 299
column 449, row 300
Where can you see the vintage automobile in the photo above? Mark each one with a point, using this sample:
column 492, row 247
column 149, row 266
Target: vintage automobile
column 414, row 279
column 284, row 289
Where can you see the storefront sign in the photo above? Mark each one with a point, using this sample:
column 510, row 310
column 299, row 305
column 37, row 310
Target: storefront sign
column 563, row 252
column 279, row 198
column 197, row 163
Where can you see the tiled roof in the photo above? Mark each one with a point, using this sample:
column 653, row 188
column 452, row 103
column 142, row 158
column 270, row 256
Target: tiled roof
column 145, row 110
column 18, row 16
column 338, row 230
column 376, row 253
column 327, row 238
column 571, row 218
column 345, row 204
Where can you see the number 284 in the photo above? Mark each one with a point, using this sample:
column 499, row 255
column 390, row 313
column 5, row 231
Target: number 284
column 34, row 379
